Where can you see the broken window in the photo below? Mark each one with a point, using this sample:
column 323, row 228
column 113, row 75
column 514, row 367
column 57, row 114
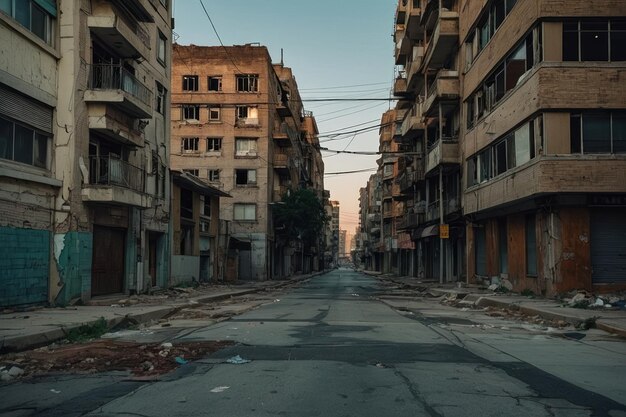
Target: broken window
column 194, row 172
column 215, row 83
column 247, row 83
column 190, row 112
column 206, row 205
column 161, row 94
column 189, row 145
column 214, row 175
column 247, row 115
column 161, row 48
column 190, row 83
column 214, row 114
column 245, row 176
column 213, row 144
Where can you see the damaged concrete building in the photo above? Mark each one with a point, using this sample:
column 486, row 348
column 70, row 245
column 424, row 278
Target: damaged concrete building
column 515, row 113
column 84, row 122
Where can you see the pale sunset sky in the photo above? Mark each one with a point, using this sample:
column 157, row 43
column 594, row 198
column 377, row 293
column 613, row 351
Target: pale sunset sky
column 337, row 49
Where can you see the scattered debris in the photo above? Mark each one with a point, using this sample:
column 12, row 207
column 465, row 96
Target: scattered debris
column 106, row 355
column 54, row 391
column 219, row 389
column 585, row 299
column 237, row 360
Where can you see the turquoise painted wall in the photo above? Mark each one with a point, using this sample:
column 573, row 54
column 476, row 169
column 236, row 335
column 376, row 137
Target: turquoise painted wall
column 24, row 266
column 72, row 253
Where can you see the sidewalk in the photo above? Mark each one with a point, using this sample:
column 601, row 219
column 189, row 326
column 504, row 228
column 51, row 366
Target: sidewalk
column 609, row 320
column 30, row 329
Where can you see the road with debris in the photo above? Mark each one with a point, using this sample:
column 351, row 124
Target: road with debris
column 341, row 344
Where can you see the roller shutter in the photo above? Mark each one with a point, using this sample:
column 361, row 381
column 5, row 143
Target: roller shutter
column 608, row 246
column 25, row 110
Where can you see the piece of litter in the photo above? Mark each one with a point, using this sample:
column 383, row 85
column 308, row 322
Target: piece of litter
column 167, row 345
column 180, row 360
column 219, row 389
column 237, row 360
column 55, row 391
column 276, row 300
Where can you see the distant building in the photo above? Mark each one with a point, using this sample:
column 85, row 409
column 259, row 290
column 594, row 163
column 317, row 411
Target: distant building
column 239, row 124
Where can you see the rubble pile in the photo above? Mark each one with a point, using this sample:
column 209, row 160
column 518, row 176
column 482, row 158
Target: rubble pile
column 148, row 359
column 585, row 299
column 517, row 315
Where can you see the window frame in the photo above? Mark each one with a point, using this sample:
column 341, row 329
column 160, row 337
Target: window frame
column 211, row 141
column 251, row 152
column 187, row 108
column 218, row 79
column 36, row 135
column 161, row 42
column 247, row 83
column 248, row 183
column 189, row 144
column 213, row 175
column 191, row 83
column 215, row 113
column 246, row 216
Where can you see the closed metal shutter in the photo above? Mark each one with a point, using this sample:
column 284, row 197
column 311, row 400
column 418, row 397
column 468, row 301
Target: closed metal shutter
column 25, row 110
column 608, row 245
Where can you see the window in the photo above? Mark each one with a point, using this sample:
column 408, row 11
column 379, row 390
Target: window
column 206, row 205
column 247, row 83
column 35, row 15
column 244, row 212
column 245, row 147
column 247, row 115
column 194, row 172
column 161, row 94
column 214, row 175
column 598, row 132
column 215, row 83
column 189, row 145
column 213, row 144
column 514, row 149
column 161, row 48
column 506, row 76
column 190, row 112
column 531, row 246
column 23, row 144
column 593, row 40
column 492, row 20
column 215, row 114
column 190, row 83
column 245, row 176
column 387, row 169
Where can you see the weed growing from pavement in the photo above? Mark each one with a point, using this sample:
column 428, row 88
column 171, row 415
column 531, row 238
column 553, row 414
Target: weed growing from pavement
column 88, row 331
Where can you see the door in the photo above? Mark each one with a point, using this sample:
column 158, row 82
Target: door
column 107, row 269
column 152, row 258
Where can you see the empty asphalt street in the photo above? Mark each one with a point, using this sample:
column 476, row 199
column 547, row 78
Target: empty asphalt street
column 346, row 344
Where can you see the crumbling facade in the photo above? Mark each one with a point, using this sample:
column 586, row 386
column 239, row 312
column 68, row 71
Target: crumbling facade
column 85, row 117
column 515, row 112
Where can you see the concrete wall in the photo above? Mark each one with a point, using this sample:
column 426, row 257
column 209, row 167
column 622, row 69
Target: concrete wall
column 185, row 269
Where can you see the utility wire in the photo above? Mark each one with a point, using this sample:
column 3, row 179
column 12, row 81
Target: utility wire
column 218, row 37
column 343, row 86
column 351, row 172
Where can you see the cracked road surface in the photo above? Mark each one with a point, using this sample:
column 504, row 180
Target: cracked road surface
column 343, row 345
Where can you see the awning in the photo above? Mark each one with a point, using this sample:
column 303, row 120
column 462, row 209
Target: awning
column 428, row 231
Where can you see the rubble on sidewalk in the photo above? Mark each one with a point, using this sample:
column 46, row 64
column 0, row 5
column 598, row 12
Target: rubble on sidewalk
column 585, row 299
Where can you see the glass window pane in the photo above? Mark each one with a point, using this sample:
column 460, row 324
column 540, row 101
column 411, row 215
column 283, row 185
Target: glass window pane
column 570, row 45
column 594, row 45
column 618, row 45
column 619, row 132
column 6, row 139
column 41, row 151
column 509, row 5
column 501, row 158
column 38, row 23
column 510, row 150
column 575, row 133
column 484, row 34
column 593, row 26
column 522, row 145
column 515, row 67
column 5, row 6
column 22, row 12
column 498, row 10
column 596, row 133
column 500, row 85
column 618, row 24
column 23, row 144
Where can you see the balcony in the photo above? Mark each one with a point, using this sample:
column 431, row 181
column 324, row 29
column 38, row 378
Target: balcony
column 373, row 218
column 415, row 79
column 113, row 181
column 411, row 221
column 443, row 152
column 285, row 136
column 115, row 125
column 400, row 86
column 115, row 85
column 413, row 125
column 401, row 11
column 414, row 30
column 445, row 88
column 125, row 36
column 403, row 45
column 444, row 39
column 281, row 163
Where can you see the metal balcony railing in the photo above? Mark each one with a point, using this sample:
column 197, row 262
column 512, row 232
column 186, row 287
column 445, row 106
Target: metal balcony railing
column 116, row 77
column 110, row 171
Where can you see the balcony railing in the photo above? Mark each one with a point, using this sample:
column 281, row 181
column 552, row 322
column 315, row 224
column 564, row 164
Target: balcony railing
column 116, row 77
column 110, row 171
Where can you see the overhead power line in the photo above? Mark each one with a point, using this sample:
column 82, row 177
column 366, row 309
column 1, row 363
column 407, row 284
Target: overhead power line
column 343, row 86
column 218, row 37
column 351, row 172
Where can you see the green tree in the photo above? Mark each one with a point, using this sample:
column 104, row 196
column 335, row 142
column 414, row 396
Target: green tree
column 300, row 215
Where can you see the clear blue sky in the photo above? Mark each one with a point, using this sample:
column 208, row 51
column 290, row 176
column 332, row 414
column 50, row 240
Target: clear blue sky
column 327, row 43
